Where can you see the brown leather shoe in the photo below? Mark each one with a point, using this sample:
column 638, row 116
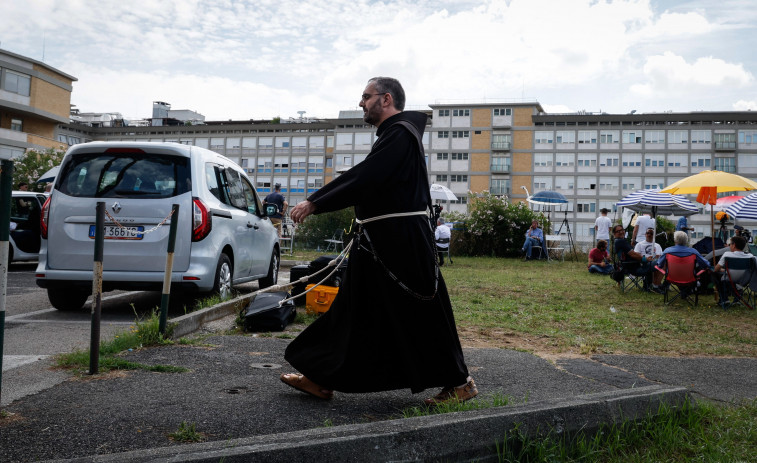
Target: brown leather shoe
column 454, row 394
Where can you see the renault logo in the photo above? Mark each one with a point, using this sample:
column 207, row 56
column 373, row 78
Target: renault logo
column 116, row 207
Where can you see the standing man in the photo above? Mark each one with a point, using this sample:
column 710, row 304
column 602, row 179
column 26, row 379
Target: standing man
column 602, row 226
column 391, row 324
column 643, row 223
column 534, row 237
column 442, row 236
column 683, row 225
column 281, row 206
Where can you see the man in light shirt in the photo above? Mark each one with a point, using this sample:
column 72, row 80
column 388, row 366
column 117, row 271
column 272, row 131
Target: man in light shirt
column 602, row 226
column 442, row 232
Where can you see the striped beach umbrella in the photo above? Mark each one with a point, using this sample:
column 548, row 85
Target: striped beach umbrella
column 745, row 208
column 657, row 203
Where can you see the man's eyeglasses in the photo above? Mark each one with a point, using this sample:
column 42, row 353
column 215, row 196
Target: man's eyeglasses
column 367, row 96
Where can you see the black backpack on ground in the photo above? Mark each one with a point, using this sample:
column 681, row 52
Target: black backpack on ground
column 265, row 314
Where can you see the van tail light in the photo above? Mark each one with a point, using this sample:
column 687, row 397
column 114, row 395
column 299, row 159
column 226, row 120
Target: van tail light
column 201, row 222
column 44, row 216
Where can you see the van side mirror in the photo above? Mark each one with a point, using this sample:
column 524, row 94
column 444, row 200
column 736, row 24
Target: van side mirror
column 271, row 210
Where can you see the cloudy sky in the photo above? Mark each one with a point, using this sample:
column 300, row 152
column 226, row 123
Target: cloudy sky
column 257, row 59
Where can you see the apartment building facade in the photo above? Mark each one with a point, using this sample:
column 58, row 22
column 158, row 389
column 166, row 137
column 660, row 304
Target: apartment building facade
column 34, row 99
column 502, row 147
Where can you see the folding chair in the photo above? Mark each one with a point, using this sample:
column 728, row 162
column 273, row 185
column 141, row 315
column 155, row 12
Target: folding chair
column 741, row 273
column 554, row 249
column 286, row 240
column 336, row 241
column 444, row 250
column 681, row 278
column 633, row 274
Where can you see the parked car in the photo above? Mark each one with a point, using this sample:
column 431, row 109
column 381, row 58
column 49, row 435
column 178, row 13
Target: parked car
column 224, row 237
column 24, row 233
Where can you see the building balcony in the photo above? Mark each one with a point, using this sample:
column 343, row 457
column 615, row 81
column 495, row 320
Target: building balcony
column 725, row 146
column 501, row 146
column 14, row 135
column 500, row 168
column 499, row 190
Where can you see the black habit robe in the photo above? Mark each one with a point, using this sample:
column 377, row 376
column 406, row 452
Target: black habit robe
column 377, row 336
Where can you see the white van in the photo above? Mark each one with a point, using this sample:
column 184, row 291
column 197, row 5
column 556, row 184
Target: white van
column 223, row 237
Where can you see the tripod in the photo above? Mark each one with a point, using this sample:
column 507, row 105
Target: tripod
column 571, row 243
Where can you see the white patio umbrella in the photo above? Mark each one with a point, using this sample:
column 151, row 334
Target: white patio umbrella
column 657, row 203
column 442, row 192
column 745, row 208
column 49, row 176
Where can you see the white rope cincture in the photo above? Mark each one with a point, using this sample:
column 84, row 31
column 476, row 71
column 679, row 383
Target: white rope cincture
column 332, row 263
column 118, row 225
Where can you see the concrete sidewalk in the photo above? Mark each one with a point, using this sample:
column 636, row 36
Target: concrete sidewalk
column 233, row 396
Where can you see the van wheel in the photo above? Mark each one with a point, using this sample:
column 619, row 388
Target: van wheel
column 273, row 272
column 66, row 299
column 222, row 284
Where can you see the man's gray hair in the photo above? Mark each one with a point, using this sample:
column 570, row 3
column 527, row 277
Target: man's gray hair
column 680, row 238
column 393, row 87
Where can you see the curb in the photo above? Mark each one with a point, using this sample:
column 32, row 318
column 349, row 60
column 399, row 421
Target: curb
column 460, row 436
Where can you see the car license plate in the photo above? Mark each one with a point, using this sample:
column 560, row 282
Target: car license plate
column 112, row 232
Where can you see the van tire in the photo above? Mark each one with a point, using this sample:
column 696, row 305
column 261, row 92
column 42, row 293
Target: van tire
column 67, row 300
column 224, row 275
column 273, row 272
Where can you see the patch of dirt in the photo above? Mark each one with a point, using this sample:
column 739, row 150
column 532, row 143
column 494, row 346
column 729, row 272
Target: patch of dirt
column 541, row 346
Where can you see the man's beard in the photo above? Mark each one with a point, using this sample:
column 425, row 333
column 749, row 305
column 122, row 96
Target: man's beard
column 370, row 114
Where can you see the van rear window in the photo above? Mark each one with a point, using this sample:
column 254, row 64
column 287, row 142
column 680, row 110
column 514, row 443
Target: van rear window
column 127, row 175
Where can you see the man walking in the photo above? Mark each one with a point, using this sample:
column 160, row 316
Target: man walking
column 391, row 324
column 281, row 205
column 442, row 235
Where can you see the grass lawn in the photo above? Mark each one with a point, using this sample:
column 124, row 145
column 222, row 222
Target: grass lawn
column 559, row 308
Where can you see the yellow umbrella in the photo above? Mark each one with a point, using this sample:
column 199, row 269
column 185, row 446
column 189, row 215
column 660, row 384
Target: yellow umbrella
column 706, row 185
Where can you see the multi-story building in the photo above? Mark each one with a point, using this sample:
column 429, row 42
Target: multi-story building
column 505, row 148
column 34, row 99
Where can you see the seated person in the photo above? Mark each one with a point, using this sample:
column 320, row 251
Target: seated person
column 534, row 237
column 630, row 259
column 741, row 231
column 650, row 252
column 682, row 249
column 599, row 261
column 738, row 243
column 442, row 231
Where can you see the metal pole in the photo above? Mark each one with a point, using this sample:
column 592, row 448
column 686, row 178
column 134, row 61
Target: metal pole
column 97, row 287
column 169, row 268
column 6, row 187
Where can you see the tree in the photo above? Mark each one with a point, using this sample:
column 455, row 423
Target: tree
column 319, row 227
column 29, row 167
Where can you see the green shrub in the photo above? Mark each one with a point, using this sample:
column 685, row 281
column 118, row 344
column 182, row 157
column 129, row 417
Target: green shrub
column 494, row 226
column 319, row 227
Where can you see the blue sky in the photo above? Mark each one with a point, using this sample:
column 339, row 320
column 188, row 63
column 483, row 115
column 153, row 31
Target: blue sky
column 260, row 59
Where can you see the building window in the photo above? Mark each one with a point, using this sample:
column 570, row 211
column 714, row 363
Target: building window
column 654, row 136
column 17, row 125
column 747, row 137
column 631, row 137
column 700, row 161
column 458, row 178
column 17, row 83
column 701, row 136
column 503, row 111
column 587, row 137
column 678, row 137
column 565, row 160
column 500, row 187
column 632, row 160
column 654, row 160
column 608, row 160
column 543, row 138
column 460, row 134
column 586, row 207
column 543, row 160
column 442, row 156
column 725, row 164
column 608, row 136
column 565, row 137
column 442, row 134
column 587, row 160
column 459, row 156
column 441, row 178
column 460, row 112
column 444, row 113
column 677, row 160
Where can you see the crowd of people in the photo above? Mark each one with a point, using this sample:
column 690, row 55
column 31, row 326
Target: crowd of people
column 644, row 257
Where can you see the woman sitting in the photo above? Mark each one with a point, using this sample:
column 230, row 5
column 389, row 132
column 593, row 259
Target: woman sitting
column 599, row 259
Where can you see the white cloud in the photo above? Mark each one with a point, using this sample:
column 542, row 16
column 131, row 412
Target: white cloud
column 743, row 105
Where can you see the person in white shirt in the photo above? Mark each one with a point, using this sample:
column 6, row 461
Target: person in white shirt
column 602, row 226
column 442, row 232
column 643, row 223
column 650, row 252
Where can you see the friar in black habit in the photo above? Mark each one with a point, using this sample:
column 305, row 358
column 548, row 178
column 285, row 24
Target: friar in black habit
column 391, row 324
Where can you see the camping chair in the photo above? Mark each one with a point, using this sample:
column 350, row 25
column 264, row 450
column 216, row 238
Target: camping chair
column 633, row 274
column 444, row 250
column 336, row 240
column 681, row 279
column 741, row 274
